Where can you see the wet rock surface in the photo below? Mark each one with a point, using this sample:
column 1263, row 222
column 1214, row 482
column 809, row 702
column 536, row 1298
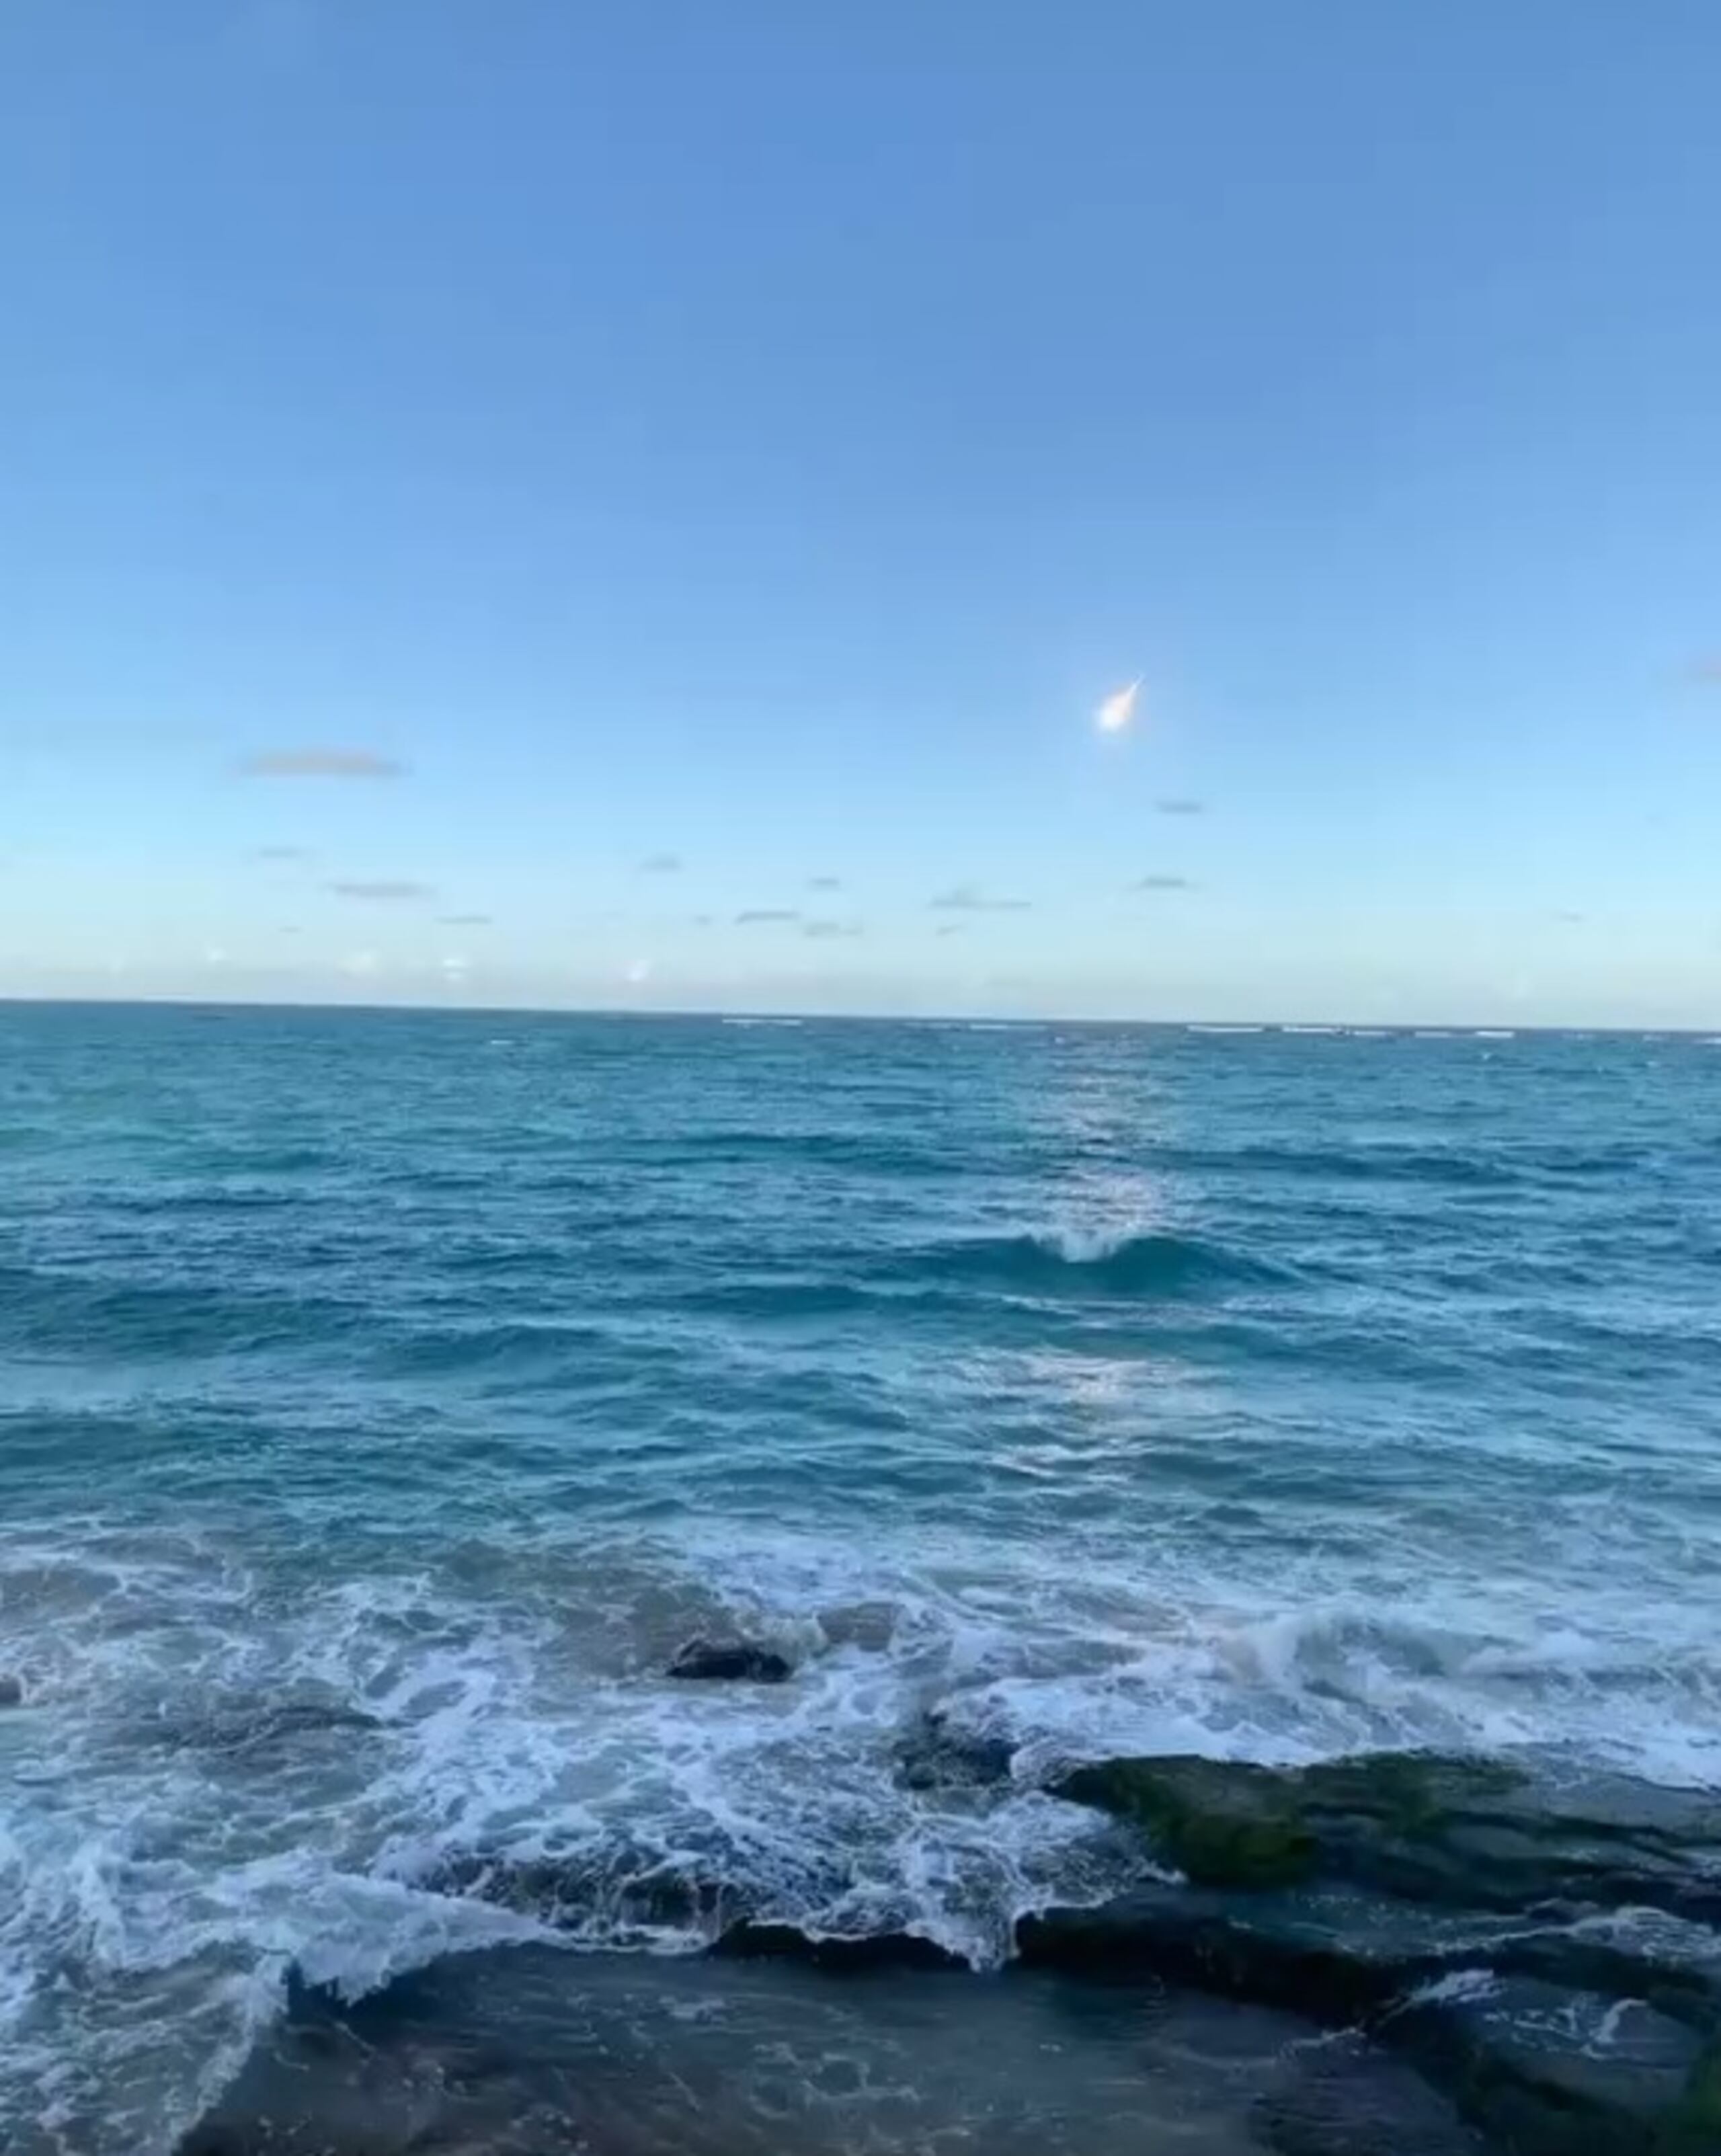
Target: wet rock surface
column 1458, row 1833
column 525, row 2052
column 1394, row 1958
column 730, row 1661
column 1541, row 1952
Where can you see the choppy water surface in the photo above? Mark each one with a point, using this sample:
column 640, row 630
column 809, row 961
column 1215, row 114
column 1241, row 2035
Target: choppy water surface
column 384, row 1399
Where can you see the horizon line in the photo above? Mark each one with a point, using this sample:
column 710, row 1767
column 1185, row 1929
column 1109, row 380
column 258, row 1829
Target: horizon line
column 1302, row 1028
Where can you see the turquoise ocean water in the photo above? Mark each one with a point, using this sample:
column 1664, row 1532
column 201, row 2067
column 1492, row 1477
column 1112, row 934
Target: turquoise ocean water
column 385, row 1398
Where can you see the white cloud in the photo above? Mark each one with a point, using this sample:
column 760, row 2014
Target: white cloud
column 322, row 763
column 382, row 888
column 968, row 898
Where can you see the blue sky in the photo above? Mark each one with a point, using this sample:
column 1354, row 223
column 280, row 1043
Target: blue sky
column 491, row 496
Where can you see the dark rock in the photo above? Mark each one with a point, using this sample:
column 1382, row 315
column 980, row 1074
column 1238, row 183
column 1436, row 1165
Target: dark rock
column 1220, row 1824
column 1458, row 1833
column 617, row 1892
column 936, row 1757
column 1693, row 2128
column 244, row 1727
column 12, row 1690
column 1549, row 2071
column 878, row 1950
column 1254, row 1952
column 1348, row 2098
column 736, row 1660
column 1588, row 1965
column 1550, row 2043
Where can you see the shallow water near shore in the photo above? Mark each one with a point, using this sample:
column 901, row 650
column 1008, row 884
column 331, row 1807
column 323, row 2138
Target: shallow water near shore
column 387, row 1397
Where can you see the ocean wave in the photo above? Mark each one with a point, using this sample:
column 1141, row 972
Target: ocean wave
column 1109, row 1261
column 97, row 1316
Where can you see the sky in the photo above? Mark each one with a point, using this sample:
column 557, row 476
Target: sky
column 642, row 506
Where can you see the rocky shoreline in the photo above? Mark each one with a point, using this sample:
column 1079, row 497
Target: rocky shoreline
column 1410, row 1954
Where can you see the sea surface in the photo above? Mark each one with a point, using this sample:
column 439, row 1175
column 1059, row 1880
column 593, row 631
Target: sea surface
column 386, row 1398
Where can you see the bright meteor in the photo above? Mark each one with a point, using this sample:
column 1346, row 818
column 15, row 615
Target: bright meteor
column 1115, row 714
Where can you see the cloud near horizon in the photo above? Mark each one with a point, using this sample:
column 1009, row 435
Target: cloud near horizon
column 322, row 763
column 1181, row 804
column 967, row 898
column 1163, row 883
column 825, row 883
column 660, row 865
column 283, row 853
column 466, row 920
column 756, row 917
column 381, row 887
column 830, row 928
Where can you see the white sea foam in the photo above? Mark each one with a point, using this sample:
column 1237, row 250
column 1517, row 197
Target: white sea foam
column 236, row 1770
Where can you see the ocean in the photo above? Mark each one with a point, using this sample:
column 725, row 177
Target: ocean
column 386, row 1399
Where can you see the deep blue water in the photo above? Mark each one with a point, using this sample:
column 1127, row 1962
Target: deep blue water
column 384, row 1398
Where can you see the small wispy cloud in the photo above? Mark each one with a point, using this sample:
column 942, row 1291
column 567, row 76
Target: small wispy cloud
column 968, row 898
column 322, row 763
column 1570, row 916
column 951, row 928
column 1163, row 883
column 660, row 865
column 466, row 920
column 382, row 888
column 283, row 853
column 758, row 917
column 825, row 883
column 824, row 930
column 1181, row 804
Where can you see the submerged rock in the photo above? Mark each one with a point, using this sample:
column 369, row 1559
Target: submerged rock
column 524, row 2050
column 934, row 1756
column 618, row 1893
column 240, row 1726
column 874, row 1951
column 741, row 1661
column 1551, row 2071
column 1694, row 2126
column 1500, row 1934
column 12, row 1690
column 1346, row 2097
column 1267, row 1953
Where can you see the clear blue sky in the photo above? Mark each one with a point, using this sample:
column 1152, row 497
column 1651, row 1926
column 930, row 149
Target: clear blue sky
column 754, row 437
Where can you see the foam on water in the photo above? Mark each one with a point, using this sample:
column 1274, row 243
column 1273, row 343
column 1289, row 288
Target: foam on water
column 243, row 1779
